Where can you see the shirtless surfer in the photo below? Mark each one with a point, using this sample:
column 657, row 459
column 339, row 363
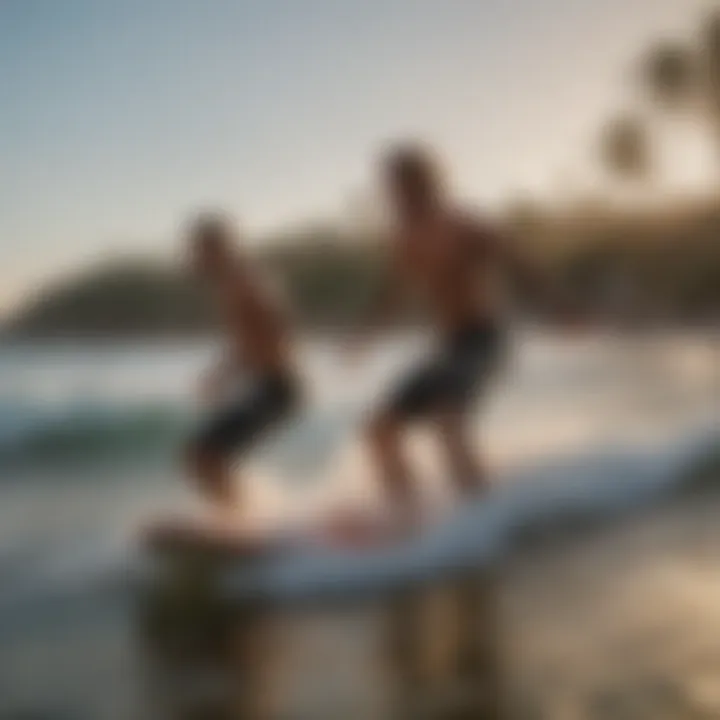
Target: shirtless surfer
column 257, row 352
column 452, row 259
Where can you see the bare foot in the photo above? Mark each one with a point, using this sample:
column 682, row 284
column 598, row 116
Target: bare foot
column 357, row 527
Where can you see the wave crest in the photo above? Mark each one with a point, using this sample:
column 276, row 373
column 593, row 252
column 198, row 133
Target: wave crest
column 85, row 434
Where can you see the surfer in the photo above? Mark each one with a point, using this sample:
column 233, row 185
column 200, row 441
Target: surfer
column 258, row 354
column 452, row 259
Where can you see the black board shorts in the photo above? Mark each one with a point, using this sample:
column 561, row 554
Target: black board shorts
column 453, row 376
column 233, row 429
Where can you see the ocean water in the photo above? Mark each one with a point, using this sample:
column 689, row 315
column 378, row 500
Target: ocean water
column 576, row 431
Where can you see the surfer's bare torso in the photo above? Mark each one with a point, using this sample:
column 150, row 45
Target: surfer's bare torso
column 449, row 261
column 253, row 320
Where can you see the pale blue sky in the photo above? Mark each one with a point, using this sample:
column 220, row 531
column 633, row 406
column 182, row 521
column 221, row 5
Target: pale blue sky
column 117, row 117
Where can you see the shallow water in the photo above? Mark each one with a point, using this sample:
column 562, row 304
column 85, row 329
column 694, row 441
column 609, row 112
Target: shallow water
column 619, row 622
column 613, row 624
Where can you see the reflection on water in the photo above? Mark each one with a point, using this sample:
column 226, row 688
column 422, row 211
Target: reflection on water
column 205, row 658
column 426, row 652
column 443, row 650
column 610, row 623
column 617, row 623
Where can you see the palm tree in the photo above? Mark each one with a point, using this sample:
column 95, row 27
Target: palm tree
column 625, row 148
column 670, row 73
column 687, row 76
column 677, row 76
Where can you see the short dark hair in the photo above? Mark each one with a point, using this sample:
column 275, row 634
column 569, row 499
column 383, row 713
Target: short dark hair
column 412, row 163
column 210, row 228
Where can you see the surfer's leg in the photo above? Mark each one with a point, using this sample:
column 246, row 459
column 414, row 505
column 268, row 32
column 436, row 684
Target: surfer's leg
column 469, row 362
column 407, row 404
column 466, row 468
column 385, row 440
column 211, row 470
column 232, row 432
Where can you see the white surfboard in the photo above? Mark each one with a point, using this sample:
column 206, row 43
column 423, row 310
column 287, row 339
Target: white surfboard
column 342, row 529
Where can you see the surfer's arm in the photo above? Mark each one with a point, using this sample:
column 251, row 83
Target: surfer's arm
column 385, row 306
column 523, row 270
column 215, row 378
column 229, row 362
column 503, row 247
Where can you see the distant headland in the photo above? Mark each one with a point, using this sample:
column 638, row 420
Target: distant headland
column 662, row 263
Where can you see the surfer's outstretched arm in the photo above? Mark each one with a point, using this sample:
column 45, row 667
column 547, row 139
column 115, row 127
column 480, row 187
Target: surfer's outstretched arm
column 384, row 307
column 213, row 381
column 504, row 247
column 386, row 304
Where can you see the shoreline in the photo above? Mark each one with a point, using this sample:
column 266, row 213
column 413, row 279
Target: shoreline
column 331, row 333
